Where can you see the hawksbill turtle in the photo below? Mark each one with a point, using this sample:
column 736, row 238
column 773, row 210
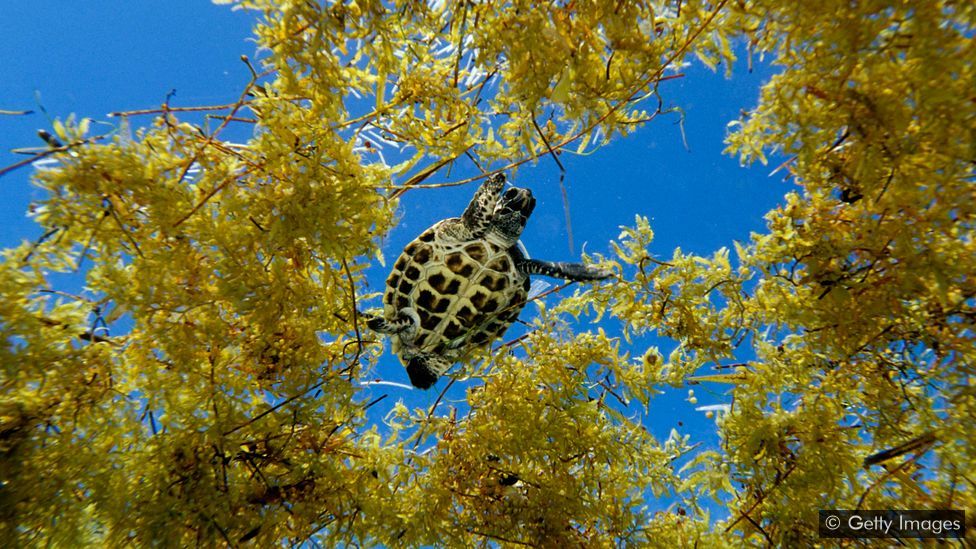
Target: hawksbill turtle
column 462, row 282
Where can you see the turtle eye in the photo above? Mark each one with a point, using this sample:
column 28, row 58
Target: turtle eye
column 510, row 194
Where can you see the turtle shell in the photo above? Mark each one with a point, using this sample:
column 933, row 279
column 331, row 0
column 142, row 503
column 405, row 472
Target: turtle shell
column 466, row 293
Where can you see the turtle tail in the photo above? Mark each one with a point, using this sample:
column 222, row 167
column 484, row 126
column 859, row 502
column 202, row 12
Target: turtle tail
column 425, row 368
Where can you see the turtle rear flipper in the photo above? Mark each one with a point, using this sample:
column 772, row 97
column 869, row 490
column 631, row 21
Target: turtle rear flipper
column 558, row 269
column 425, row 368
column 403, row 323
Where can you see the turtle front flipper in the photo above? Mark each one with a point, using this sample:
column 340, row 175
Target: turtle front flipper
column 558, row 269
column 477, row 215
column 425, row 368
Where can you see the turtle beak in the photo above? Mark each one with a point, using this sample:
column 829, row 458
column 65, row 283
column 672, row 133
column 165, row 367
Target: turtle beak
column 517, row 200
column 511, row 213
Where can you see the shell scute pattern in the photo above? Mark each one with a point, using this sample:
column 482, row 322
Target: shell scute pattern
column 464, row 293
column 461, row 283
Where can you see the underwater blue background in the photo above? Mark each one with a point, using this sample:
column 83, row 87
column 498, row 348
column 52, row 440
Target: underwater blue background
column 94, row 57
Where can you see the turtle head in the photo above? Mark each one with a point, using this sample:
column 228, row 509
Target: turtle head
column 477, row 216
column 512, row 211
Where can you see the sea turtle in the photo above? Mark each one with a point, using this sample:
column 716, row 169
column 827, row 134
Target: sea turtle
column 462, row 282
